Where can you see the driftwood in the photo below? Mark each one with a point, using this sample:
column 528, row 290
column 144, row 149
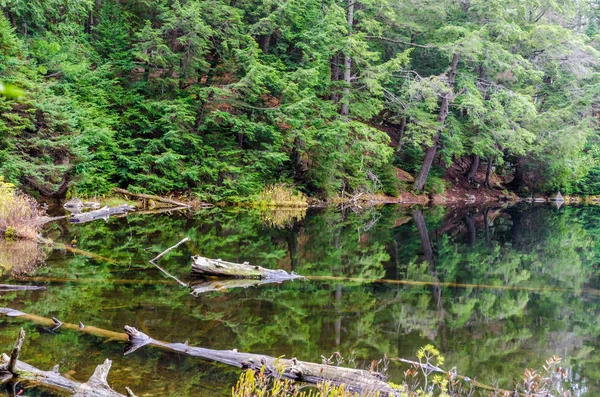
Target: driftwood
column 151, row 197
column 76, row 205
column 155, row 259
column 216, row 267
column 103, row 213
column 7, row 287
column 354, row 379
column 96, row 386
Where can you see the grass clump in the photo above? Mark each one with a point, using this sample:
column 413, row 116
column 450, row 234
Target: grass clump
column 252, row 384
column 281, row 195
column 19, row 213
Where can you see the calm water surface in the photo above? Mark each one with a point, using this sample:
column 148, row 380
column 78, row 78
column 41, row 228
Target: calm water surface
column 496, row 290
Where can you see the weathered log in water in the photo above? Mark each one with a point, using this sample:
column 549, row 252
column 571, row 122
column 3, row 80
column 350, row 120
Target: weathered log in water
column 103, row 213
column 97, row 386
column 356, row 380
column 202, row 266
column 76, row 205
column 7, row 287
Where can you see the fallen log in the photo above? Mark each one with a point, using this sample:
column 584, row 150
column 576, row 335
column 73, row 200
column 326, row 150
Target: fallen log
column 76, row 205
column 103, row 213
column 151, row 197
column 7, row 287
column 355, row 379
column 96, row 386
column 202, row 266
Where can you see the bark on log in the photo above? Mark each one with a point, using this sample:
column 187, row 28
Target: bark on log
column 96, row 386
column 103, row 213
column 151, row 197
column 356, row 380
column 216, row 267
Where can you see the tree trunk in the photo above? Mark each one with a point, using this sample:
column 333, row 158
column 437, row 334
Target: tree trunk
column 472, row 174
column 519, row 179
column 443, row 114
column 472, row 232
column 335, row 76
column 488, row 172
column 345, row 111
column 401, row 133
column 264, row 42
column 419, row 220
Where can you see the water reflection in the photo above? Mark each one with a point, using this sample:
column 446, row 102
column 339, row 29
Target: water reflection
column 497, row 290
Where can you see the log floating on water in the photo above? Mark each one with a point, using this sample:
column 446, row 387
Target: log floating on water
column 7, row 287
column 356, row 380
column 103, row 213
column 96, row 386
column 202, row 266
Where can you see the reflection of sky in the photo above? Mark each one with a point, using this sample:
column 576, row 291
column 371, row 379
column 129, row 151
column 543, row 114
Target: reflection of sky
column 504, row 291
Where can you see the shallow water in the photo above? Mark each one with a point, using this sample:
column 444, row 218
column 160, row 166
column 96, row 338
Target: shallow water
column 496, row 290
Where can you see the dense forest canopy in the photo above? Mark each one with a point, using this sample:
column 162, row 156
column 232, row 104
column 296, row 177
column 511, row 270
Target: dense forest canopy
column 220, row 98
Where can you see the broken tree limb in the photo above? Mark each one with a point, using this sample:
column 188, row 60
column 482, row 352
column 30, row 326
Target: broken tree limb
column 153, row 261
column 356, row 380
column 151, row 197
column 96, row 386
column 202, row 266
column 102, row 213
column 14, row 355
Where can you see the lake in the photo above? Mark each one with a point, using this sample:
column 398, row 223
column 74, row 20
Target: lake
column 497, row 290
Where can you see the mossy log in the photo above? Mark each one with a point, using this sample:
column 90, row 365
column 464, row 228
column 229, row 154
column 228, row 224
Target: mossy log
column 96, row 386
column 202, row 266
column 102, row 213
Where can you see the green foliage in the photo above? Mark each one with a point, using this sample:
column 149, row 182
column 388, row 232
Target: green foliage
column 220, row 100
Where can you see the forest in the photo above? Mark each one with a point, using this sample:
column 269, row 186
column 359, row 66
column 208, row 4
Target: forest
column 222, row 99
